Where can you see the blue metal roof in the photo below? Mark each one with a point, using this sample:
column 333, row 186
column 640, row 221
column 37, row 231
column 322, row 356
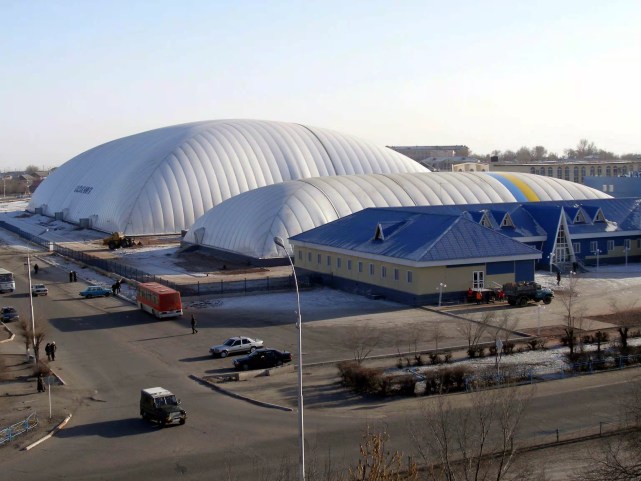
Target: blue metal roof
column 419, row 236
column 442, row 233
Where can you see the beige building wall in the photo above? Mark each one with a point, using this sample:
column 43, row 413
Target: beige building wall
column 415, row 281
column 471, row 167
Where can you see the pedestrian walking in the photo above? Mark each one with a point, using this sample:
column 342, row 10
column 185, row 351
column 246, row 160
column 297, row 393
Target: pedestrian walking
column 48, row 351
column 558, row 278
column 53, row 349
column 118, row 282
column 113, row 289
column 75, row 276
column 36, row 267
column 70, row 276
column 41, row 383
column 193, row 325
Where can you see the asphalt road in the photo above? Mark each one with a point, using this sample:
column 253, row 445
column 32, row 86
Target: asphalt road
column 108, row 351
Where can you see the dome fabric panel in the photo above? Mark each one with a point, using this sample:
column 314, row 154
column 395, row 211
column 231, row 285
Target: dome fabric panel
column 247, row 224
column 161, row 181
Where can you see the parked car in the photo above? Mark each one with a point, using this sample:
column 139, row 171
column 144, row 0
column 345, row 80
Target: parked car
column 95, row 291
column 160, row 405
column 9, row 313
column 39, row 290
column 235, row 345
column 262, row 359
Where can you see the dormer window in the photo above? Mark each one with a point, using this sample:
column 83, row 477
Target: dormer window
column 507, row 221
column 579, row 218
column 379, row 235
column 599, row 217
column 485, row 221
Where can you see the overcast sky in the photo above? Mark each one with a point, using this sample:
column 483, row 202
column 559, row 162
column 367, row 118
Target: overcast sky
column 487, row 74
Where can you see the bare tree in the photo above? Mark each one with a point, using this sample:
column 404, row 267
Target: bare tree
column 377, row 463
column 619, row 457
column 473, row 331
column 26, row 334
column 539, row 152
column 573, row 318
column 627, row 317
column 473, row 442
column 362, row 339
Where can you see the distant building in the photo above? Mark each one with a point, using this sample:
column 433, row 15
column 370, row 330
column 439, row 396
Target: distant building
column 572, row 170
column 419, row 153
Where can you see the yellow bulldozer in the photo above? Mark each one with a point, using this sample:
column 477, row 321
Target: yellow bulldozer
column 117, row 240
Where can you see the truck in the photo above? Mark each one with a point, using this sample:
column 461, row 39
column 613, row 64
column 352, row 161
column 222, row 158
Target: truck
column 519, row 293
column 117, row 240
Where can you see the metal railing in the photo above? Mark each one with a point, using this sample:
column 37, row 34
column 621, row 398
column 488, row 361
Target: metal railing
column 191, row 289
column 8, row 434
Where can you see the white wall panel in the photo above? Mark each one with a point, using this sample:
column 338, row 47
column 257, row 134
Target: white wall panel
column 159, row 182
column 247, row 223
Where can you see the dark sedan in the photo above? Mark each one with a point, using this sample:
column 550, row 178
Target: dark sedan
column 262, row 359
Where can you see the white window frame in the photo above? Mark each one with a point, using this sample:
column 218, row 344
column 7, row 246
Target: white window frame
column 594, row 245
column 577, row 247
column 372, row 270
column 478, row 279
column 610, row 245
column 339, row 262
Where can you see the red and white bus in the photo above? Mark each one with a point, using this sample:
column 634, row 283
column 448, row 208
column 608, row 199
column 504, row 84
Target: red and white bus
column 158, row 300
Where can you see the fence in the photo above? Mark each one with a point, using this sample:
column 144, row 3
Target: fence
column 192, row 289
column 8, row 434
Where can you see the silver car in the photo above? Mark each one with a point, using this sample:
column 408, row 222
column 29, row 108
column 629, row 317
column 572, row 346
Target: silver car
column 235, row 345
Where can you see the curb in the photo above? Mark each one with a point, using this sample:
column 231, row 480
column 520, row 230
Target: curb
column 54, row 431
column 6, row 328
column 239, row 396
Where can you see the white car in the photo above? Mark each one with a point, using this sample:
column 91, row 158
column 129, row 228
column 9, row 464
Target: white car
column 39, row 290
column 235, row 345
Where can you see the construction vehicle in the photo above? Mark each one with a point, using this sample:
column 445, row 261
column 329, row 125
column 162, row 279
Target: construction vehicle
column 519, row 293
column 117, row 240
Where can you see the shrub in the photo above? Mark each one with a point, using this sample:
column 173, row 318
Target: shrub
column 447, row 357
column 418, row 360
column 361, row 379
column 434, row 358
column 508, row 347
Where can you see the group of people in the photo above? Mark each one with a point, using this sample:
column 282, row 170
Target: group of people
column 50, row 350
column 115, row 287
column 73, row 277
column 485, row 296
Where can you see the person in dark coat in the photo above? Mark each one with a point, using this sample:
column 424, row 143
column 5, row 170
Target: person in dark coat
column 75, row 276
column 53, row 349
column 48, row 351
column 193, row 325
column 41, row 383
column 36, row 267
column 558, row 278
column 113, row 289
column 118, row 282
column 70, row 276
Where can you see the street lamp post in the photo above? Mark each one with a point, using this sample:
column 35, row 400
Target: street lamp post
column 551, row 256
column 33, row 326
column 538, row 320
column 440, row 292
column 301, row 424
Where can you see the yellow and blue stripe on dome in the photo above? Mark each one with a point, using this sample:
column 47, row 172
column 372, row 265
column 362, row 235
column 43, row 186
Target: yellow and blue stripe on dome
column 517, row 187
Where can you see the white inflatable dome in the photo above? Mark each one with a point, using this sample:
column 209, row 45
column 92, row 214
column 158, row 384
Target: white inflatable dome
column 161, row 181
column 248, row 223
